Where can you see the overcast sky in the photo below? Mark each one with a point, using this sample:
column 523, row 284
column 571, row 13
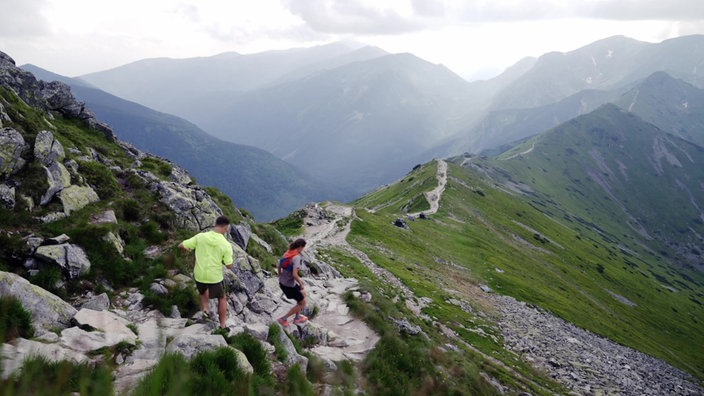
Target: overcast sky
column 476, row 39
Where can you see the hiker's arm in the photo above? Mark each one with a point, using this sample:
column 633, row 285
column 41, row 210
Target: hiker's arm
column 183, row 248
column 298, row 279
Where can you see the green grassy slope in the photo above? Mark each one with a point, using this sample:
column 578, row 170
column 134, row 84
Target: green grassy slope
column 551, row 255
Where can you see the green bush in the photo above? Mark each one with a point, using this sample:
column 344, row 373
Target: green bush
column 185, row 299
column 255, row 352
column 158, row 167
column 100, row 177
column 213, row 372
column 296, row 383
column 150, row 231
column 130, row 210
column 47, row 279
column 41, row 377
column 273, row 338
column 15, row 321
column 292, row 224
column 32, row 181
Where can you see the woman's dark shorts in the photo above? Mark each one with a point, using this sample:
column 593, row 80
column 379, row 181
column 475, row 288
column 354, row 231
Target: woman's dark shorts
column 215, row 290
column 292, row 292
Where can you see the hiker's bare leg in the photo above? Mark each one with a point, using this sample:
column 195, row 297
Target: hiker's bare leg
column 296, row 308
column 204, row 299
column 222, row 310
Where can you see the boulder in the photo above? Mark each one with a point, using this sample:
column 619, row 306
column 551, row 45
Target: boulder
column 311, row 334
column 400, row 223
column 7, row 196
column 15, row 353
column 240, row 234
column 85, row 341
column 190, row 345
column 77, row 197
column 48, row 311
column 114, row 241
column 262, row 243
column 57, row 240
column 242, row 362
column 12, row 145
column 58, row 178
column 158, row 288
column 70, row 258
column 403, row 326
column 179, row 175
column 105, row 321
column 192, row 206
column 100, row 302
column 107, row 217
column 48, row 150
column 292, row 357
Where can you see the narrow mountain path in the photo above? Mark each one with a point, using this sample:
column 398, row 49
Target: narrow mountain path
column 433, row 196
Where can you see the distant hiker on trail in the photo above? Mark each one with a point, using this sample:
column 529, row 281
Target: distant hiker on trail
column 212, row 251
column 290, row 283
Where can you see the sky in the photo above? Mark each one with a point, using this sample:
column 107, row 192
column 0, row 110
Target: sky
column 476, row 39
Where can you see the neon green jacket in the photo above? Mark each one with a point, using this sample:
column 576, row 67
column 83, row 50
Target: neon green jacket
column 212, row 251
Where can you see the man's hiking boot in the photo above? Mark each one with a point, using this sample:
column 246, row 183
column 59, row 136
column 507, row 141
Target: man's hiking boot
column 300, row 319
column 283, row 322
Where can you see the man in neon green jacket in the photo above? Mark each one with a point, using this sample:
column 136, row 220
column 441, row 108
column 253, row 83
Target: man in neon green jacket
column 212, row 251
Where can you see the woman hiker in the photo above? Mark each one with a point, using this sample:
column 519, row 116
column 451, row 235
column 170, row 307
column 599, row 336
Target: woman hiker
column 290, row 283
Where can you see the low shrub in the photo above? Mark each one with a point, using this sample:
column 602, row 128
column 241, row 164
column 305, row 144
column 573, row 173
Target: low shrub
column 41, row 377
column 15, row 321
column 255, row 352
column 100, row 177
column 296, row 383
column 213, row 372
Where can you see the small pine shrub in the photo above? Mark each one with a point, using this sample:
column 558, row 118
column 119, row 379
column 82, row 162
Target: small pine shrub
column 15, row 321
column 185, row 299
column 47, row 279
column 32, row 181
column 158, row 167
column 273, row 338
column 130, row 210
column 150, row 231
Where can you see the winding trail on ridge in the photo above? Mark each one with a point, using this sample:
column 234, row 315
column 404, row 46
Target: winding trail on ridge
column 433, row 196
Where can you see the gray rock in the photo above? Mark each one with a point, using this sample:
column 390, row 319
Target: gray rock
column 115, row 241
column 486, row 289
column 3, row 115
column 72, row 259
column 158, row 289
column 14, row 354
column 77, row 197
column 402, row 325
column 242, row 362
column 192, row 206
column 240, row 234
column 175, row 313
column 190, row 345
column 58, row 178
column 311, row 334
column 12, row 145
column 292, row 357
column 57, row 240
column 257, row 330
column 7, row 196
column 100, row 302
column 107, row 322
column 107, row 217
column 48, row 150
column 86, row 341
column 262, row 243
column 179, row 175
column 48, row 311
column 152, row 252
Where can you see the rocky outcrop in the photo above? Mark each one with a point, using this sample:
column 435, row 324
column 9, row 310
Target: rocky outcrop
column 48, row 150
column 72, row 259
column 48, row 311
column 49, row 96
column 97, row 303
column 12, row 145
column 194, row 209
column 190, row 345
column 240, row 234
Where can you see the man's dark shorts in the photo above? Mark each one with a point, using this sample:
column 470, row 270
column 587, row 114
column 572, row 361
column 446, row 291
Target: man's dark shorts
column 215, row 290
column 292, row 292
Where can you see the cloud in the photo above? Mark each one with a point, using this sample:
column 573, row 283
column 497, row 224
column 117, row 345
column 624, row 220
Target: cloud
column 356, row 17
column 674, row 10
column 23, row 19
column 403, row 16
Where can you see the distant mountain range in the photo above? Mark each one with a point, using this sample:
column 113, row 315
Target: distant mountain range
column 358, row 114
column 256, row 180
